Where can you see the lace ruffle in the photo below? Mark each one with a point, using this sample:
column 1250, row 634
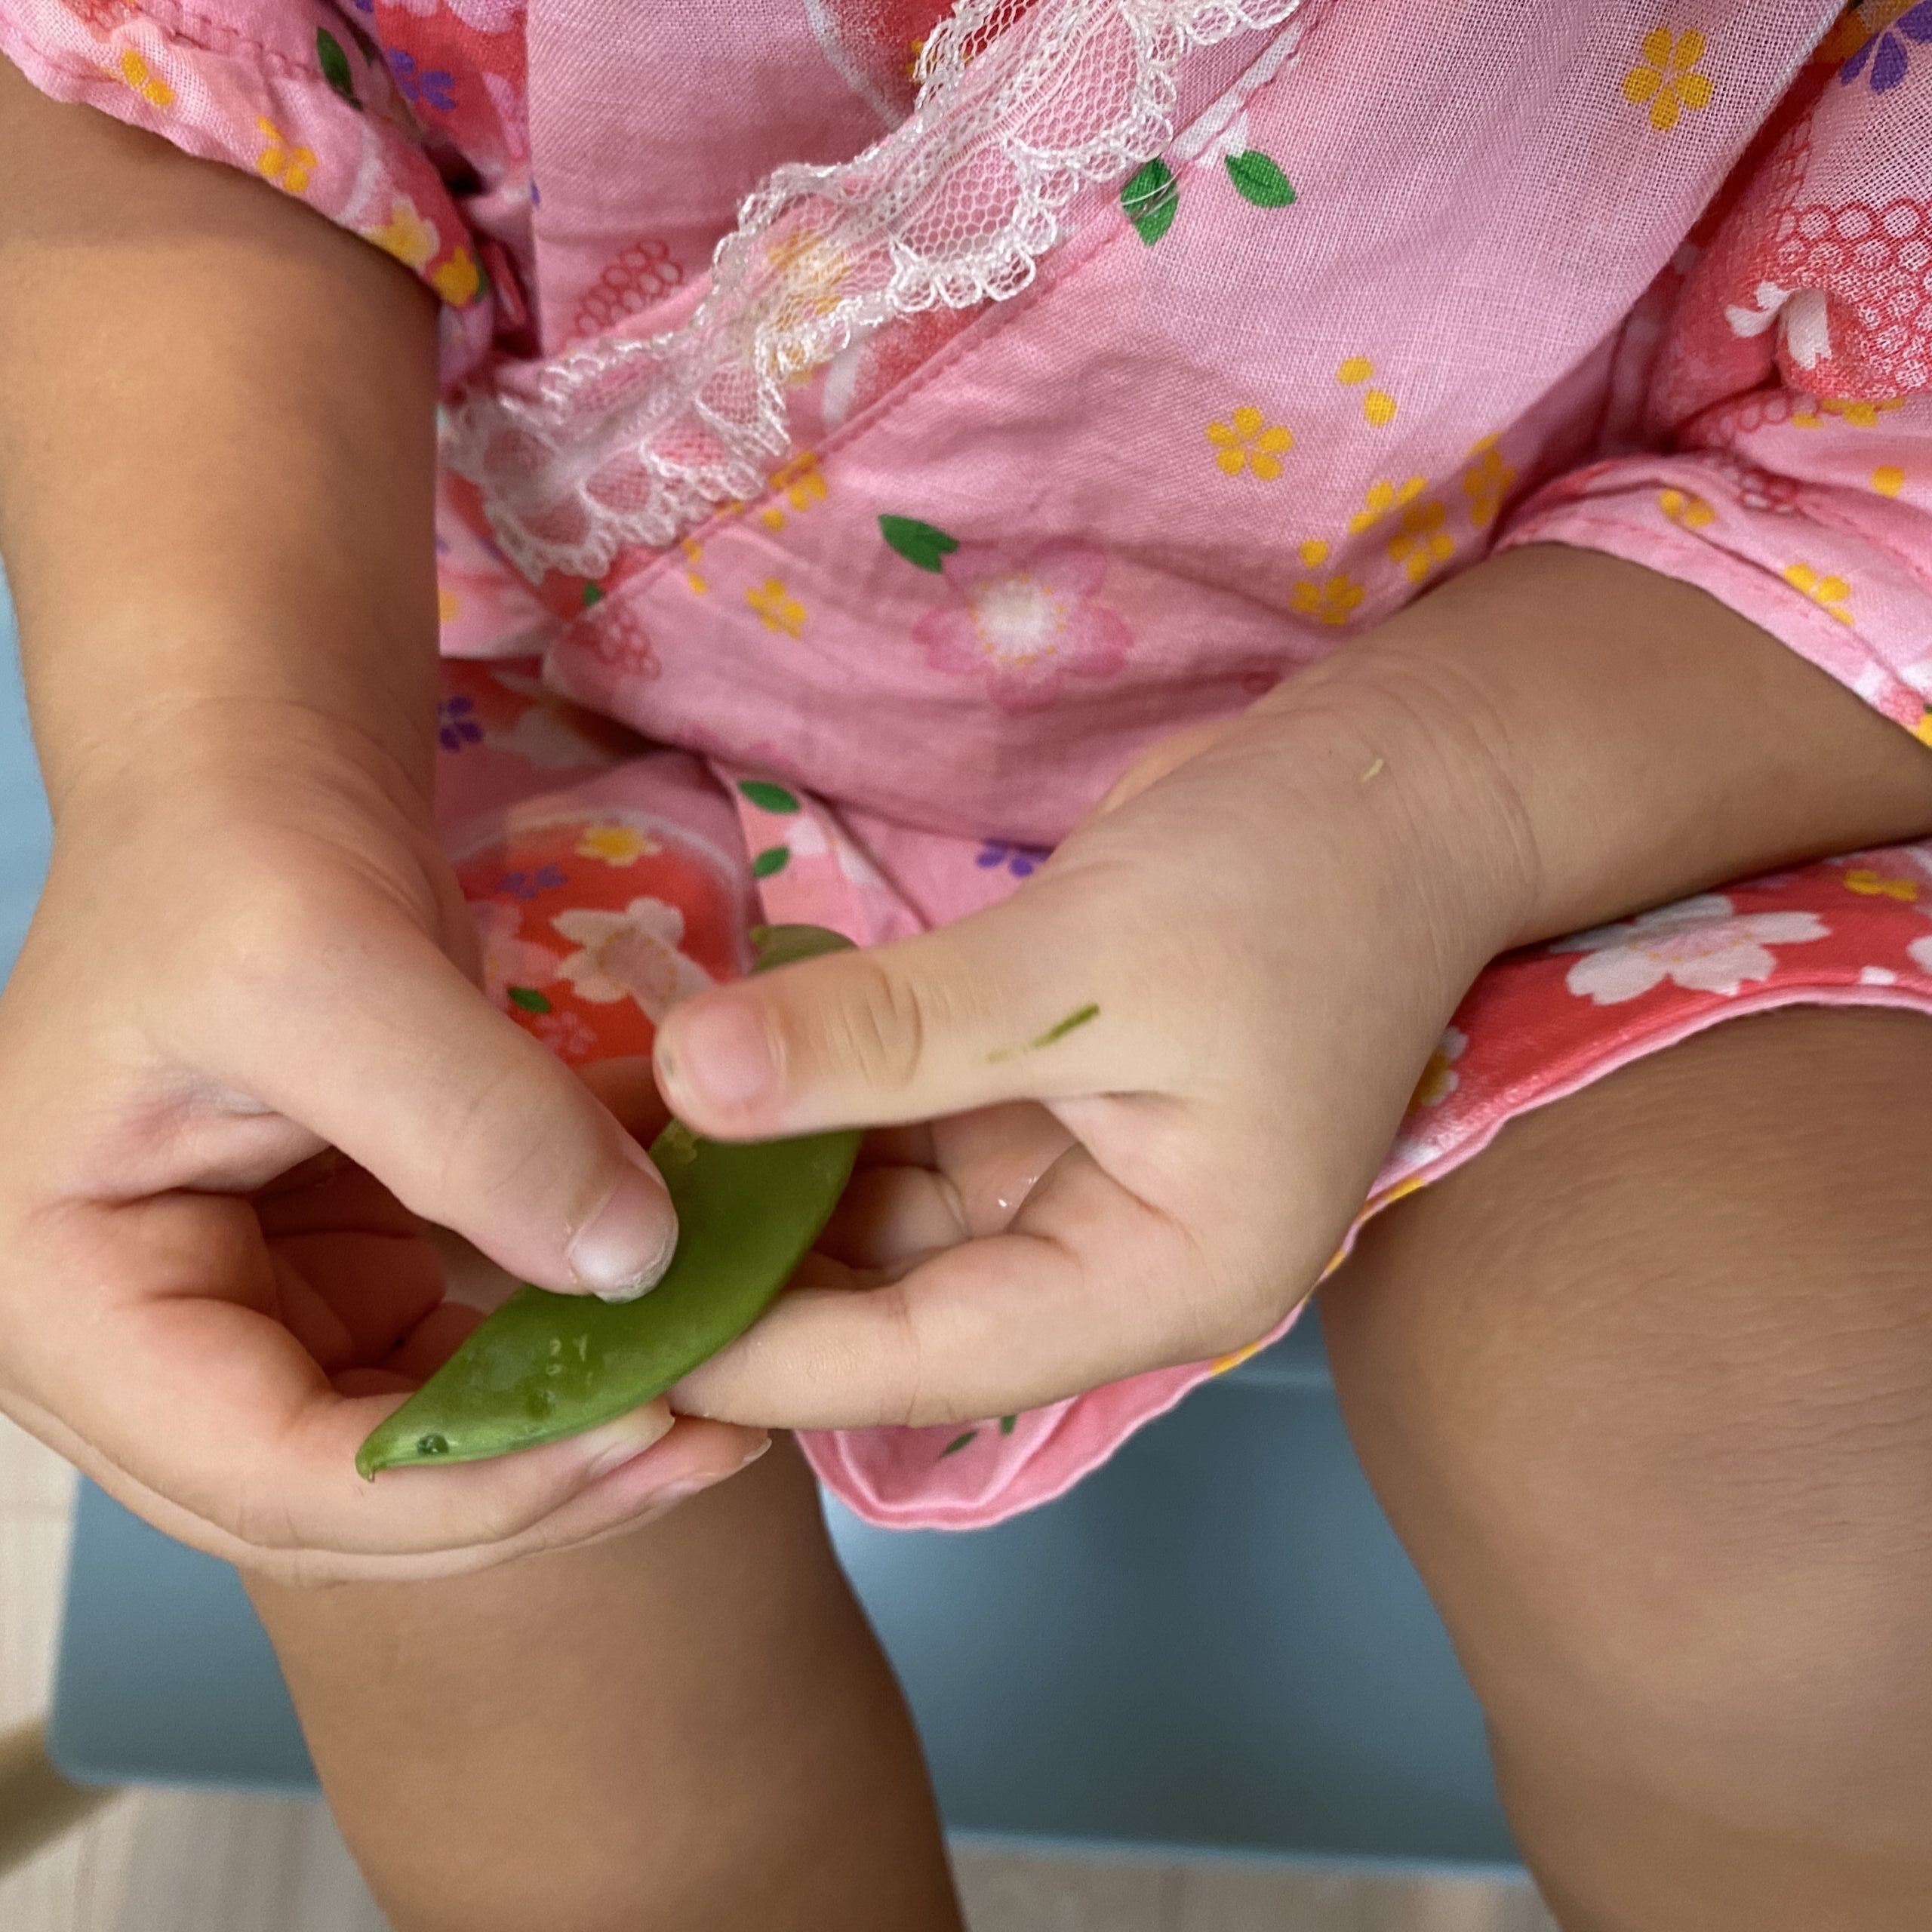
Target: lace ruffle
column 629, row 440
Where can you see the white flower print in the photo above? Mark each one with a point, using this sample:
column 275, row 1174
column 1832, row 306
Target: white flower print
column 1921, row 952
column 1439, row 1078
column 631, row 954
column 1704, row 944
column 509, row 959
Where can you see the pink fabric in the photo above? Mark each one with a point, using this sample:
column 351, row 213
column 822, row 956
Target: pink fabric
column 1659, row 285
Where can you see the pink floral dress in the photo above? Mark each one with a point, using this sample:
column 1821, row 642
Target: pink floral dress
column 869, row 425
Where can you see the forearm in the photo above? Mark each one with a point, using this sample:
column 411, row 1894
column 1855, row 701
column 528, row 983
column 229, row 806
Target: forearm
column 217, row 456
column 1630, row 739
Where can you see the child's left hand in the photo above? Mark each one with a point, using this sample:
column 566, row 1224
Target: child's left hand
column 1211, row 1008
column 1157, row 1082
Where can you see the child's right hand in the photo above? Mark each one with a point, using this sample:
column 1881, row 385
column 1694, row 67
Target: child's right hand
column 250, row 952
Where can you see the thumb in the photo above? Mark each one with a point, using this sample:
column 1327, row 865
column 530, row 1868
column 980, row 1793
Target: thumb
column 470, row 1122
column 999, row 1007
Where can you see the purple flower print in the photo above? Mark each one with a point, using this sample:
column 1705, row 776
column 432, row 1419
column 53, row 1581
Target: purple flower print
column 1023, row 620
column 1021, row 861
column 456, row 724
column 1886, row 53
column 425, row 87
column 527, row 885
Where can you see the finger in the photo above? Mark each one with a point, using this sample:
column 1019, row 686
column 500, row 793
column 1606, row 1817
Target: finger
column 1015, row 1321
column 469, row 1120
column 985, row 1165
column 888, row 1215
column 993, row 1008
column 688, row 1455
column 626, row 1084
column 376, row 1288
column 432, row 1341
column 339, row 1197
column 175, row 1368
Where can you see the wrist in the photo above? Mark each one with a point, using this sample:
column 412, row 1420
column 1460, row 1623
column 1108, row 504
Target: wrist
column 224, row 756
column 1630, row 739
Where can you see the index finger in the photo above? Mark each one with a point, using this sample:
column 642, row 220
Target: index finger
column 1089, row 1284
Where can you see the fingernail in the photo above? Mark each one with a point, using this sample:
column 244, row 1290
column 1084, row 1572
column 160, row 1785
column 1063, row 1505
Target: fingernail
column 672, row 1493
column 625, row 1247
column 624, row 1440
column 720, row 1051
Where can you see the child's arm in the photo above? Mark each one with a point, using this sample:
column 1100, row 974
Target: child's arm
column 1226, row 982
column 217, row 425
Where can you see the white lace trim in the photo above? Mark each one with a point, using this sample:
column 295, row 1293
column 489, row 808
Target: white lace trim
column 627, row 441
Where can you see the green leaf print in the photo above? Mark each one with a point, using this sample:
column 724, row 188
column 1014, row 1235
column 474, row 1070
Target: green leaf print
column 593, row 595
column 957, row 1443
column 1148, row 198
column 1006, row 1423
column 767, row 796
column 917, row 542
column 335, row 66
column 1259, row 180
column 529, row 998
column 772, row 859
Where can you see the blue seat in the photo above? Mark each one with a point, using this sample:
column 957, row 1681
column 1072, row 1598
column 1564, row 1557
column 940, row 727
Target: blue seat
column 1215, row 1643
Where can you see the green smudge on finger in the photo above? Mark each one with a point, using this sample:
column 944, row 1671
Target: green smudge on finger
column 1059, row 1030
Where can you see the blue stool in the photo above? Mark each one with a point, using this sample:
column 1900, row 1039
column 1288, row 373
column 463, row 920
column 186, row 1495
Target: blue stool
column 1215, row 1644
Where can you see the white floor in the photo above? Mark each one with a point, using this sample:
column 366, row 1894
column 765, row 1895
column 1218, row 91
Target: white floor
column 197, row 1863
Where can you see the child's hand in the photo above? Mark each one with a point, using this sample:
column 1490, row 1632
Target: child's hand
column 1197, row 1027
column 1159, row 1079
column 243, row 959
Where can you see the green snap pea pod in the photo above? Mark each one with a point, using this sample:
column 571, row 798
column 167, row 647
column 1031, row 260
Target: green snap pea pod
column 545, row 1366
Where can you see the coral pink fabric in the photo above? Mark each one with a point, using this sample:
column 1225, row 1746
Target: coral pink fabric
column 1405, row 287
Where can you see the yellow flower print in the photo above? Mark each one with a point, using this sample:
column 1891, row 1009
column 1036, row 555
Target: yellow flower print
column 406, row 235
column 1422, row 542
column 814, row 274
column 457, row 281
column 1314, row 553
column 449, row 605
column 1380, row 498
column 1922, row 731
column 145, row 81
column 801, row 483
column 1378, row 406
column 1235, row 1357
column 1331, row 601
column 1248, row 441
column 1682, row 507
column 1878, row 885
column 778, row 609
column 1855, row 412
column 1828, row 592
column 1888, row 479
column 1485, row 482
column 281, row 160
column 693, row 577
column 1667, row 77
column 616, row 844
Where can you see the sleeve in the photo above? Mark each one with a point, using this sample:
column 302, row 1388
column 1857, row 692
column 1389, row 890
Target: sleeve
column 293, row 90
column 1780, row 437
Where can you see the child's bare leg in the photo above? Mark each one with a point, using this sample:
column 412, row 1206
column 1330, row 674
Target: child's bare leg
column 687, row 1728
column 1647, row 1391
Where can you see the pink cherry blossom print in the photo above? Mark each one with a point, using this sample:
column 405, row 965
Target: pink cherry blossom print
column 1703, row 944
column 631, row 954
column 642, row 274
column 1023, row 620
column 509, row 959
